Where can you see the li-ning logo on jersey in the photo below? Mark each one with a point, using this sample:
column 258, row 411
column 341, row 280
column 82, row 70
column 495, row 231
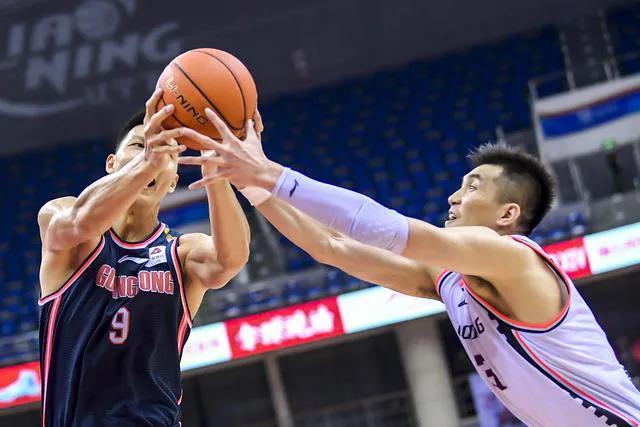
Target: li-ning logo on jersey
column 129, row 286
column 132, row 259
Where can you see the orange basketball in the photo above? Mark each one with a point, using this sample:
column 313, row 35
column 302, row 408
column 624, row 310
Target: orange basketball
column 207, row 78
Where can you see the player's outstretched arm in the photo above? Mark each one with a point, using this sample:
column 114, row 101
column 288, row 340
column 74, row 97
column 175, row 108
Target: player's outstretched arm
column 66, row 223
column 365, row 262
column 211, row 261
column 468, row 250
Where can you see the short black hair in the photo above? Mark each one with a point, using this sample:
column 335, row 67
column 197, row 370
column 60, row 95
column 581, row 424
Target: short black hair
column 136, row 119
column 530, row 183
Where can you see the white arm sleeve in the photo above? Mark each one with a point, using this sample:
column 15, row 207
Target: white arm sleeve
column 345, row 211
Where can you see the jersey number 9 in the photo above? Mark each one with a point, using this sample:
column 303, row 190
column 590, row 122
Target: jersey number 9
column 119, row 326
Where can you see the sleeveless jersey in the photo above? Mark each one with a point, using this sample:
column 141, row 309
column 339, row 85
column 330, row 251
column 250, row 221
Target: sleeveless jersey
column 562, row 373
column 111, row 337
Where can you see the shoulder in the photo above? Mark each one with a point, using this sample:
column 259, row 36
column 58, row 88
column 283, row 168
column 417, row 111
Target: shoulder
column 190, row 240
column 517, row 258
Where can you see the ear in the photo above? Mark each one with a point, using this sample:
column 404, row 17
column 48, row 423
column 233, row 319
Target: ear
column 174, row 184
column 510, row 215
column 110, row 165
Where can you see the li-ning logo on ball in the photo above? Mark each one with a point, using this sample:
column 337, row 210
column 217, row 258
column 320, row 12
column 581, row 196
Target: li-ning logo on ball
column 184, row 103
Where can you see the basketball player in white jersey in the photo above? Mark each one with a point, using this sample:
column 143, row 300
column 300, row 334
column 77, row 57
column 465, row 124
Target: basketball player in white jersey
column 527, row 330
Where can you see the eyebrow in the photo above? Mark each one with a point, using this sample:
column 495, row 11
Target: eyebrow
column 135, row 138
column 472, row 176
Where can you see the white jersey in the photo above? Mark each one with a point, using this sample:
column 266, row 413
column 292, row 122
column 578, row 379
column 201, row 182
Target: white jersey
column 562, row 373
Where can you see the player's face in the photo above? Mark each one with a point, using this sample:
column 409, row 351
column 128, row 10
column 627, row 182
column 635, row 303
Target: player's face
column 476, row 202
column 133, row 145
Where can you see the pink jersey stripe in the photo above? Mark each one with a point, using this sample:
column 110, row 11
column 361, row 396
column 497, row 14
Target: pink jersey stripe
column 140, row 245
column 178, row 267
column 182, row 329
column 568, row 384
column 75, row 275
column 536, row 327
column 438, row 279
column 47, row 358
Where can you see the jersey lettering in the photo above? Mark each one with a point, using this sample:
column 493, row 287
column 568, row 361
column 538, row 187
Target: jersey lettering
column 491, row 376
column 128, row 286
column 472, row 330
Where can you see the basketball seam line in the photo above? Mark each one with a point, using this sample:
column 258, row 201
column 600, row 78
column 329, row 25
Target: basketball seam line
column 205, row 97
column 244, row 104
column 180, row 121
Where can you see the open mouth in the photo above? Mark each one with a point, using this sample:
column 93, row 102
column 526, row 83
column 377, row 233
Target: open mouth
column 452, row 217
column 151, row 184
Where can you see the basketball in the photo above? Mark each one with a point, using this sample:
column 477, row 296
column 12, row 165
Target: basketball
column 207, row 78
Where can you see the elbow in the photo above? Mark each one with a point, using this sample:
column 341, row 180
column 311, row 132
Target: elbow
column 222, row 275
column 232, row 264
column 66, row 233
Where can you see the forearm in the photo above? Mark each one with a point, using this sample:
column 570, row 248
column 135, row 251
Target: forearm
column 229, row 226
column 365, row 262
column 107, row 199
column 303, row 231
column 353, row 214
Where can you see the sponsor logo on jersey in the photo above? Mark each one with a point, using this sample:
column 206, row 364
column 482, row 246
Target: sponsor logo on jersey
column 157, row 255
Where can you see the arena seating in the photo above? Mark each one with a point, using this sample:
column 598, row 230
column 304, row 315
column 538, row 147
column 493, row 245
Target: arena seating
column 400, row 136
column 624, row 26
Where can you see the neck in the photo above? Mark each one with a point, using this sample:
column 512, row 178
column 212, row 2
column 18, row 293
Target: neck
column 510, row 230
column 137, row 223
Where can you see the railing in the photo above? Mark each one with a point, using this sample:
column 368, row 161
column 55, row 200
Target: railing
column 389, row 410
column 562, row 81
column 19, row 348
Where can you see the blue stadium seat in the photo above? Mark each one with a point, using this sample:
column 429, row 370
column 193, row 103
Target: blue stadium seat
column 624, row 27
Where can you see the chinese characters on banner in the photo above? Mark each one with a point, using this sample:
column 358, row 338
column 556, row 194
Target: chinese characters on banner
column 571, row 256
column 285, row 327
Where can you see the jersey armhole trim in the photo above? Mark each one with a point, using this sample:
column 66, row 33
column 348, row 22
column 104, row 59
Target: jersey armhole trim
column 443, row 274
column 526, row 326
column 71, row 280
column 183, row 295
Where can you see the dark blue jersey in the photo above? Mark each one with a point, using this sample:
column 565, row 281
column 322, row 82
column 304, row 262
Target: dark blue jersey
column 111, row 338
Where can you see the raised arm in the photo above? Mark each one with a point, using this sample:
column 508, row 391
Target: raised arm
column 211, row 261
column 68, row 222
column 365, row 220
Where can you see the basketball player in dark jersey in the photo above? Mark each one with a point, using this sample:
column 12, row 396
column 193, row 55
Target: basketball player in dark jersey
column 119, row 288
